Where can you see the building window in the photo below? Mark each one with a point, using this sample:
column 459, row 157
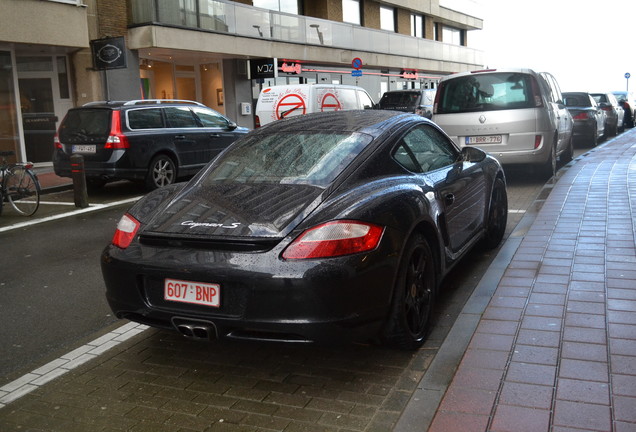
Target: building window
column 387, row 18
column 452, row 35
column 351, row 12
column 417, row 26
column 288, row 6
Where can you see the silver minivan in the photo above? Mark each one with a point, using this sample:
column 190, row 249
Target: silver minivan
column 517, row 115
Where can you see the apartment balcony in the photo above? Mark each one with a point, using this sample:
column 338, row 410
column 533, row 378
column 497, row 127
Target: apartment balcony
column 221, row 27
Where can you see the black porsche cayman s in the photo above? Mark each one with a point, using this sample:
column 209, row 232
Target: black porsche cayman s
column 324, row 227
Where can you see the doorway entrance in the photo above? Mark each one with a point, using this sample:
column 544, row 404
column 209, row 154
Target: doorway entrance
column 43, row 84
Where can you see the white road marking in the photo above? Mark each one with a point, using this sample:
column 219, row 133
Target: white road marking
column 58, row 367
column 64, row 215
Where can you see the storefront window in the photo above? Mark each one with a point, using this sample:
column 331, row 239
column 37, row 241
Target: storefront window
column 34, row 64
column 8, row 115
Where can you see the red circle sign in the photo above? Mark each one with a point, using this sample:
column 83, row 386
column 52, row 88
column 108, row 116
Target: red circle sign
column 356, row 63
column 289, row 104
column 330, row 103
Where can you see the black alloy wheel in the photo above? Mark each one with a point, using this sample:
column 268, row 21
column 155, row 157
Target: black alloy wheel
column 161, row 172
column 497, row 215
column 414, row 295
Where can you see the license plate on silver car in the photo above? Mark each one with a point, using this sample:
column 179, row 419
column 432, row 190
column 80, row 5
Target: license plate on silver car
column 483, row 139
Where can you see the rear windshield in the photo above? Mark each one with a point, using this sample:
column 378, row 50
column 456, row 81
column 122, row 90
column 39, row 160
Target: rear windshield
column 400, row 100
column 84, row 125
column 577, row 100
column 491, row 91
column 301, row 157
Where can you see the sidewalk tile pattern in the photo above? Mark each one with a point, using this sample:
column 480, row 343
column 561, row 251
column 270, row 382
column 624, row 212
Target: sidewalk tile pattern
column 555, row 349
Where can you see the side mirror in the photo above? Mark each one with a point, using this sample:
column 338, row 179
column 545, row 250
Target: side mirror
column 473, row 154
column 231, row 125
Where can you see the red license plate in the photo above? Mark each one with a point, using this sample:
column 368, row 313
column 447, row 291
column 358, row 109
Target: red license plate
column 200, row 293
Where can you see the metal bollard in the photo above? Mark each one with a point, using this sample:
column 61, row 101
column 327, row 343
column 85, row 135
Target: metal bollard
column 79, row 181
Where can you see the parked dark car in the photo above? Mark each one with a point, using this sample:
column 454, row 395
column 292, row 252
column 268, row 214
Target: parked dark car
column 615, row 113
column 328, row 227
column 628, row 102
column 156, row 141
column 414, row 101
column 589, row 118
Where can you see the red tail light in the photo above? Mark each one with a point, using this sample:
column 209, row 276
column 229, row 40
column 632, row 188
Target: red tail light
column 126, row 231
column 116, row 139
column 581, row 116
column 607, row 108
column 56, row 141
column 537, row 141
column 257, row 122
column 337, row 238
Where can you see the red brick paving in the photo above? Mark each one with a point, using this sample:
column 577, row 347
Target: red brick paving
column 555, row 350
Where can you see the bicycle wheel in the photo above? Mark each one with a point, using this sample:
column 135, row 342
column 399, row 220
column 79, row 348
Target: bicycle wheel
column 22, row 189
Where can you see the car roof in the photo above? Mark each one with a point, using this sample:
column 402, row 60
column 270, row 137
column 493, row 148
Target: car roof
column 372, row 122
column 489, row 71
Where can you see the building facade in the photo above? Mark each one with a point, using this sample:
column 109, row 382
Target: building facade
column 56, row 54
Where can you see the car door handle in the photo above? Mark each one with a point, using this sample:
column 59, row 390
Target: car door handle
column 215, row 135
column 449, row 199
column 180, row 137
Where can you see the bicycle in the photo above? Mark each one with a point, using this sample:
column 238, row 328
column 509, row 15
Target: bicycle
column 19, row 186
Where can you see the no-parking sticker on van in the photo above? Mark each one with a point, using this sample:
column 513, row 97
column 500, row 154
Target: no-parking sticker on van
column 330, row 103
column 290, row 104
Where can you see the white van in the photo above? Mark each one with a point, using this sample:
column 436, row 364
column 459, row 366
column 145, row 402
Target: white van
column 277, row 102
column 517, row 115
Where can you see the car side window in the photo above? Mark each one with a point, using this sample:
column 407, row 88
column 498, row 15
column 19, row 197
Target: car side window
column 424, row 149
column 347, row 98
column 210, row 118
column 147, row 118
column 180, row 117
column 365, row 100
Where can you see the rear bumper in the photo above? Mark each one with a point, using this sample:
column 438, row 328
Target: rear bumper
column 341, row 300
column 114, row 169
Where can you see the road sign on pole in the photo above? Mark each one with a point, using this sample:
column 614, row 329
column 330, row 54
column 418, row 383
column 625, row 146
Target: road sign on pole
column 627, row 76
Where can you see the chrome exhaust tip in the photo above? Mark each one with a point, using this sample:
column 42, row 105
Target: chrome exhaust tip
column 195, row 329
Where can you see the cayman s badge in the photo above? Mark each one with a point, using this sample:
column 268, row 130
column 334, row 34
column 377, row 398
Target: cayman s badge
column 482, row 119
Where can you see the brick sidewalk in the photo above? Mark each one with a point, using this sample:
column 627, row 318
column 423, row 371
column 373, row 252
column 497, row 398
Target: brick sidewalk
column 555, row 349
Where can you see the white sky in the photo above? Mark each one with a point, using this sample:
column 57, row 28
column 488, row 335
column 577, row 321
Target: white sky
column 588, row 45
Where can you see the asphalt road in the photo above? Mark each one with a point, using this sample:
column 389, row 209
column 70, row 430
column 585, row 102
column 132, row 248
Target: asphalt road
column 51, row 292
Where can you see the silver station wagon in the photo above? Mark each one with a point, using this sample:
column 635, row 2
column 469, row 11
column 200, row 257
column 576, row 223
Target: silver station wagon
column 517, row 115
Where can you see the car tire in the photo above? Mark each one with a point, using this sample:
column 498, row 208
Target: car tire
column 594, row 137
column 548, row 169
column 497, row 215
column 413, row 297
column 162, row 171
column 568, row 154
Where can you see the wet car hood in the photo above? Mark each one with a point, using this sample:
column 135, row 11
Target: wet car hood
column 235, row 210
